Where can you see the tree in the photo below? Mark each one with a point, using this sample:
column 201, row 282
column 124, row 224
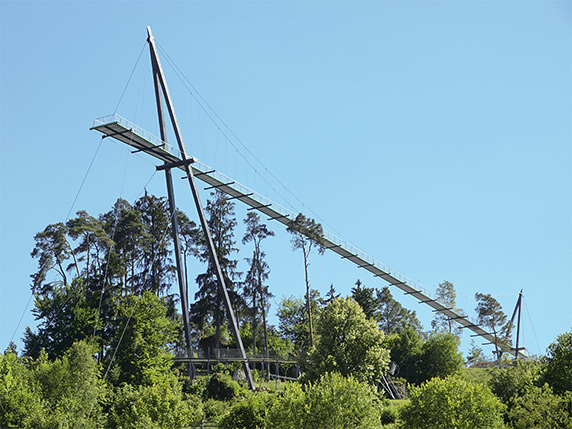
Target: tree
column 445, row 295
column 157, row 267
column 20, row 401
column 65, row 316
column 364, row 296
column 293, row 320
column 330, row 296
column 452, row 403
column 349, row 343
column 52, row 250
column 190, row 239
column 540, row 408
column 209, row 307
column 391, row 316
column 307, row 234
column 94, row 241
column 142, row 346
column 439, row 357
column 558, row 371
column 405, row 349
column 491, row 316
column 513, row 381
column 71, row 387
column 257, row 274
column 333, row 402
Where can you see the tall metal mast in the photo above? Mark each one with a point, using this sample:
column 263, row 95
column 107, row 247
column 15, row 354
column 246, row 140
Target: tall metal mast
column 160, row 81
column 518, row 308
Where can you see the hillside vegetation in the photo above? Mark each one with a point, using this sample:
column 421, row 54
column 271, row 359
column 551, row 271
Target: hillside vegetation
column 109, row 329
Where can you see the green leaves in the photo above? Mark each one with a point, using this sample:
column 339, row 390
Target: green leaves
column 349, row 343
column 558, row 371
column 452, row 403
column 333, row 402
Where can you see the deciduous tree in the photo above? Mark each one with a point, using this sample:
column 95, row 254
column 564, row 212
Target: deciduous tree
column 558, row 371
column 349, row 343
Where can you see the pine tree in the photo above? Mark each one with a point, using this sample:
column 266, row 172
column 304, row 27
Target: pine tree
column 257, row 274
column 307, row 234
column 491, row 316
column 445, row 295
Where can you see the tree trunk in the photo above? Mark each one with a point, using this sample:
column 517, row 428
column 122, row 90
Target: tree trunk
column 308, row 304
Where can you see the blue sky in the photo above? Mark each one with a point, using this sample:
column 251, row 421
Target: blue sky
column 435, row 136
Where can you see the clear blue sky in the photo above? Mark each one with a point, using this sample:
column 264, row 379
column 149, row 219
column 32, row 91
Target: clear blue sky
column 435, row 136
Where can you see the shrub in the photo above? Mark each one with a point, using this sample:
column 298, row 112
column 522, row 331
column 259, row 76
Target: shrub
column 157, row 406
column 248, row 414
column 452, row 403
column 510, row 382
column 540, row 408
column 223, row 387
column 332, row 402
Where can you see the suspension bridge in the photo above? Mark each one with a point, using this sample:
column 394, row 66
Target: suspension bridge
column 119, row 128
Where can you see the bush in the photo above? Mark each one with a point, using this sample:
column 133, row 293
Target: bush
column 223, row 387
column 389, row 415
column 508, row 383
column 214, row 409
column 540, row 408
column 452, row 403
column 158, row 406
column 332, row 402
column 248, row 414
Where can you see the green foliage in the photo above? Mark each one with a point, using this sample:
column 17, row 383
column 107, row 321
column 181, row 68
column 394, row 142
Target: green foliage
column 71, row 387
column 391, row 316
column 143, row 355
column 214, row 409
column 159, row 405
column 405, row 349
column 332, row 402
column 209, row 308
column 20, row 402
column 65, row 317
column 540, row 408
column 513, row 381
column 421, row 359
column 65, row 393
column 222, row 387
column 306, row 235
column 349, row 343
column 476, row 375
column 439, row 357
column 389, row 414
column 248, row 414
column 491, row 316
column 446, row 295
column 558, row 372
column 293, row 320
column 452, row 403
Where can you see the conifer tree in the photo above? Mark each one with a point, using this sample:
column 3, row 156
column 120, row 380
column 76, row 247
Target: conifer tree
column 257, row 274
column 306, row 235
column 209, row 307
